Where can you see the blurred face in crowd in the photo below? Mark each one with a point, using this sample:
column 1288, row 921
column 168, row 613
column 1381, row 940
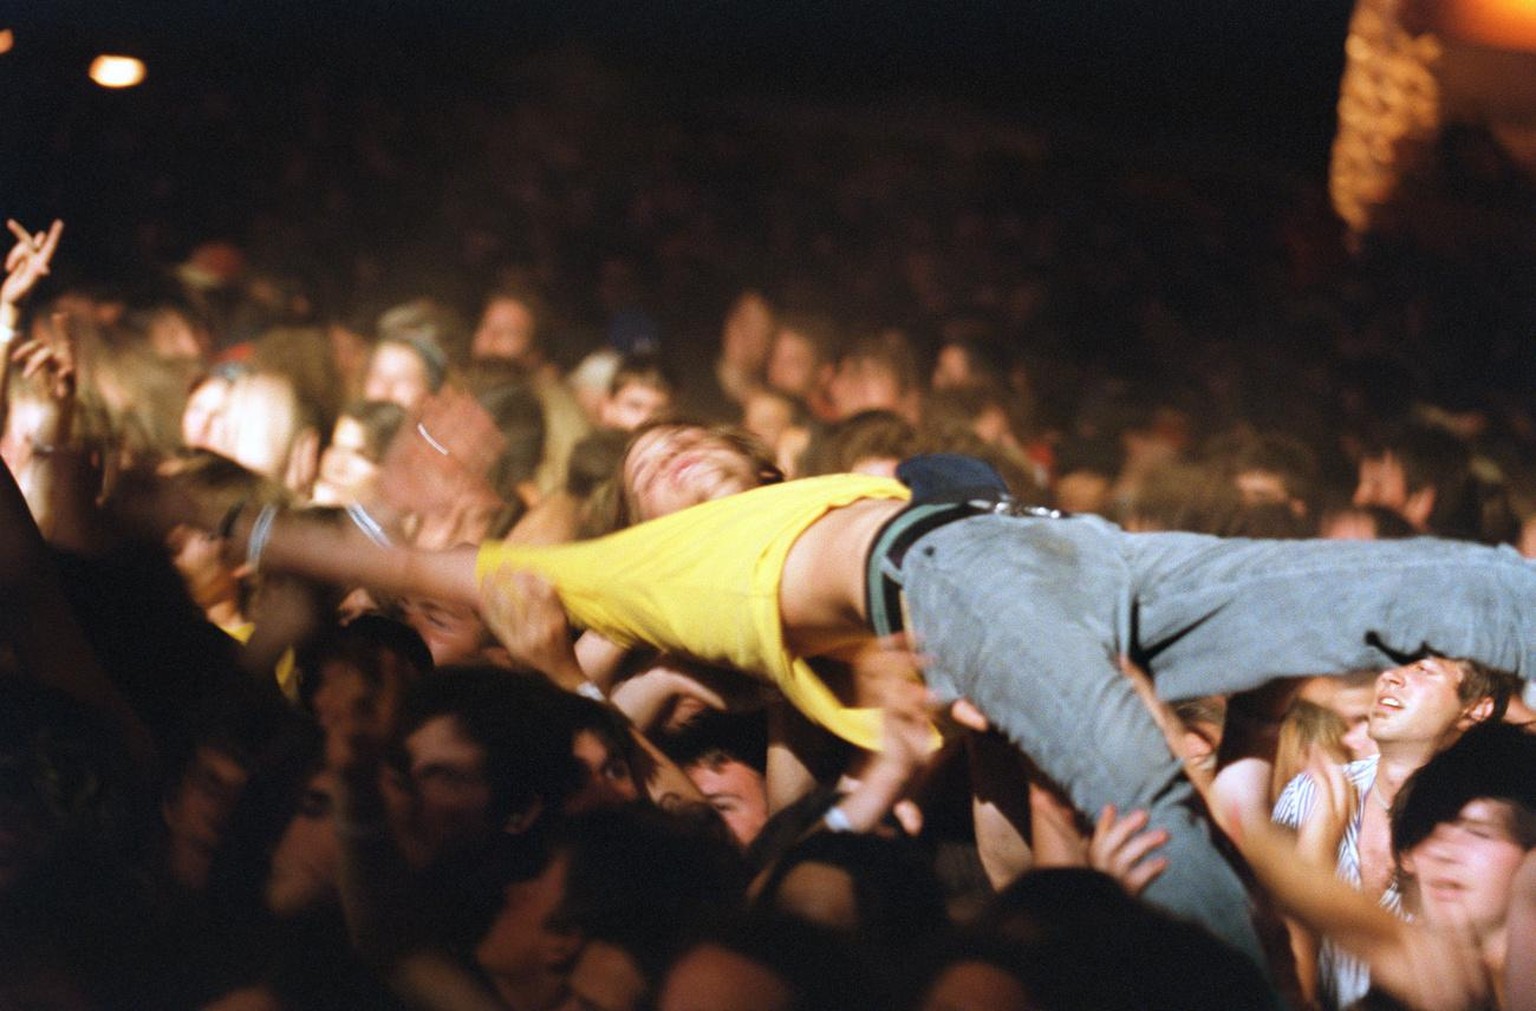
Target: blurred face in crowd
column 453, row 633
column 671, row 468
column 1420, row 702
column 397, row 374
column 792, row 364
column 711, row 977
column 197, row 814
column 259, row 423
column 607, row 780
column 447, row 773
column 976, row 986
column 735, row 790
column 1462, row 872
column 505, row 332
column 306, row 865
column 344, row 693
column 865, row 384
column 1383, row 482
column 633, row 405
column 173, row 335
column 347, row 467
column 199, row 558
column 204, row 412
column 605, row 978
column 523, row 955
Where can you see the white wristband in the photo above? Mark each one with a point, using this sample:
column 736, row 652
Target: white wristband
column 261, row 532
column 836, row 820
column 590, row 690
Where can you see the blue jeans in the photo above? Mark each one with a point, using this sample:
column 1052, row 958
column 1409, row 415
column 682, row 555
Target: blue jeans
column 1025, row 617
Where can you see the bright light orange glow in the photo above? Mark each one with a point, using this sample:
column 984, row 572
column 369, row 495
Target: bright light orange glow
column 1502, row 24
column 117, row 71
column 7, row 40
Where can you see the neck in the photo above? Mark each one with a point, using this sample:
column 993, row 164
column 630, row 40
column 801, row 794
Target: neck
column 1398, row 761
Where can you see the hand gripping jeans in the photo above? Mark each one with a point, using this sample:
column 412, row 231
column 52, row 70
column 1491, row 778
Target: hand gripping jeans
column 1025, row 617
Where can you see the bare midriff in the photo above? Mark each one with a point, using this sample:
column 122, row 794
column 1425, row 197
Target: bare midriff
column 821, row 597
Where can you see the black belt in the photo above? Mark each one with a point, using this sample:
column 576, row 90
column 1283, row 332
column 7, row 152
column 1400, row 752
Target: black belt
column 883, row 583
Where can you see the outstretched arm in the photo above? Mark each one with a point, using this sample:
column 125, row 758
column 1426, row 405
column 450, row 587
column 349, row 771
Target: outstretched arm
column 26, row 262
column 307, row 546
column 36, row 618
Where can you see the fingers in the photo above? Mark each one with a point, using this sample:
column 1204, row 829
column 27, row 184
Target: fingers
column 1122, row 849
column 965, row 713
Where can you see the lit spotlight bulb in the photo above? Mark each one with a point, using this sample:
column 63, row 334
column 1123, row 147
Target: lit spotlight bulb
column 7, row 40
column 117, row 71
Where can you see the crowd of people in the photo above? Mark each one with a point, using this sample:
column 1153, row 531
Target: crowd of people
column 445, row 653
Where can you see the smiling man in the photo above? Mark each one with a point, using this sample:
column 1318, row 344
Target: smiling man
column 1418, row 711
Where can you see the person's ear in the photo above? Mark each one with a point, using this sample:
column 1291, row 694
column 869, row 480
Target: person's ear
column 1476, row 713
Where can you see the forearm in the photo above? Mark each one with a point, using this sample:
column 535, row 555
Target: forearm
column 304, row 546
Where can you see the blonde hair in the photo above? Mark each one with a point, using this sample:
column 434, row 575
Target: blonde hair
column 1306, row 729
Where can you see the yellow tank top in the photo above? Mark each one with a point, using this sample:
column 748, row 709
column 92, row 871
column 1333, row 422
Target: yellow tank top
column 704, row 583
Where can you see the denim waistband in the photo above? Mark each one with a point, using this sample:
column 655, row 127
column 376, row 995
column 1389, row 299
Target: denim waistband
column 882, row 588
column 883, row 581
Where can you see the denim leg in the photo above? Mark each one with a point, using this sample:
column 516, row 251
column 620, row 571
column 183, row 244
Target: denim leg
column 1214, row 615
column 1024, row 617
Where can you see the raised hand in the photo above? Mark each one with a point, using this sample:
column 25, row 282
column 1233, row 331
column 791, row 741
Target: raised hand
column 1122, row 850
column 26, row 262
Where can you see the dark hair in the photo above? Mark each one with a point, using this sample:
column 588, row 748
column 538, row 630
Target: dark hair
column 518, row 414
column 645, row 879
column 1471, row 498
column 361, row 644
column 874, row 433
column 898, row 896
column 439, row 335
column 1493, row 761
column 379, row 420
column 715, row 735
column 513, row 716
column 641, row 369
column 1480, row 681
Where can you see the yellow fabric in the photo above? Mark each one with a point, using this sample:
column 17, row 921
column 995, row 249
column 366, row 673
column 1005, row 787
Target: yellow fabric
column 286, row 672
column 704, row 583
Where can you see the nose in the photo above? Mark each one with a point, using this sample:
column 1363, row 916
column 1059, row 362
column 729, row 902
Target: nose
column 1392, row 677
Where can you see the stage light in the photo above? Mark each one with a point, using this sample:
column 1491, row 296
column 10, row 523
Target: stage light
column 117, row 71
column 7, row 40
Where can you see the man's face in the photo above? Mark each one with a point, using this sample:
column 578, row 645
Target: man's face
column 396, row 374
column 1419, row 702
column 1464, row 869
column 668, row 469
column 607, row 779
column 633, row 405
column 792, row 364
column 447, row 771
column 1382, row 483
column 306, row 866
column 735, row 790
column 197, row 815
column 863, row 384
column 347, row 470
column 453, row 633
column 505, row 332
column 520, row 952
